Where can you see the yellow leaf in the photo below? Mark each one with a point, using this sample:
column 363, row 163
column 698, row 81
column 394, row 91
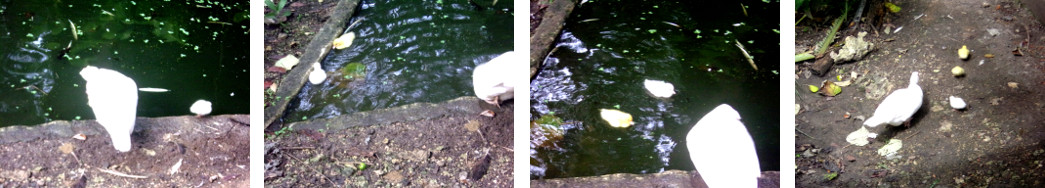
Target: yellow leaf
column 813, row 88
column 892, row 7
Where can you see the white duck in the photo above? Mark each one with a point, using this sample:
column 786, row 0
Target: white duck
column 899, row 106
column 722, row 150
column 200, row 107
column 494, row 81
column 114, row 99
column 317, row 75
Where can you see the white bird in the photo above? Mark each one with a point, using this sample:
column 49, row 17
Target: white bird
column 722, row 150
column 659, row 88
column 114, row 99
column 494, row 81
column 899, row 106
column 200, row 107
column 318, row 75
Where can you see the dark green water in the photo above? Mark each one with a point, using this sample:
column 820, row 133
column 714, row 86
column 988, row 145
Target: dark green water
column 414, row 51
column 602, row 64
column 196, row 49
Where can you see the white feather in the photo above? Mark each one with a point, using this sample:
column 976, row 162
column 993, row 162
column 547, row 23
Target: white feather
column 722, row 150
column 899, row 106
column 495, row 80
column 113, row 98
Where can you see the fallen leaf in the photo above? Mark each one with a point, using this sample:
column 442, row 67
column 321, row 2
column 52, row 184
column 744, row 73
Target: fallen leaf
column 276, row 69
column 472, row 125
column 487, row 113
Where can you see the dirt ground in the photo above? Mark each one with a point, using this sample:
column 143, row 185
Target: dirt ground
column 212, row 151
column 432, row 152
column 999, row 141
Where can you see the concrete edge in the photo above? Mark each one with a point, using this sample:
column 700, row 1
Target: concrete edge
column 66, row 129
column 468, row 105
column 543, row 38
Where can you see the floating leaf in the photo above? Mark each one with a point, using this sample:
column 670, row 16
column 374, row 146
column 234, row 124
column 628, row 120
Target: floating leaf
column 616, row 118
column 354, row 70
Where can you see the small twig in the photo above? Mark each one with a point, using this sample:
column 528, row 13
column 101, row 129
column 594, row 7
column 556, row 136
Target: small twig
column 121, row 174
column 78, row 159
column 912, row 134
column 296, row 148
column 803, row 133
column 314, row 171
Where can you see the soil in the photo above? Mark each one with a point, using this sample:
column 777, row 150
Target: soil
column 431, row 152
column 999, row 141
column 213, row 152
column 292, row 35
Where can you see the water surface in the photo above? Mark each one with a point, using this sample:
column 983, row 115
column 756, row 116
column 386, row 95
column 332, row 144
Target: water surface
column 609, row 47
column 413, row 51
column 196, row 49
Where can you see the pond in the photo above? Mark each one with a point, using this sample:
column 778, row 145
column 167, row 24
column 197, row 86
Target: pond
column 409, row 52
column 607, row 50
column 194, row 49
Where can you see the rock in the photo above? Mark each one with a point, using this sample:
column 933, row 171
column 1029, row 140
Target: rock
column 993, row 32
column 417, row 155
column 945, row 126
column 854, row 49
column 16, row 175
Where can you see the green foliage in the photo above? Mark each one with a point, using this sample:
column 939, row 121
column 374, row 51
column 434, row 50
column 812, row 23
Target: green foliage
column 281, row 132
column 277, row 9
column 830, row 176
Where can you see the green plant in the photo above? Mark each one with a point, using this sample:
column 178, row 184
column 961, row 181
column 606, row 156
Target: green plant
column 277, row 10
column 281, row 132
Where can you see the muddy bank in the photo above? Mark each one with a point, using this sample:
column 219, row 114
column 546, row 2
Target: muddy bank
column 444, row 144
column 997, row 141
column 212, row 151
column 670, row 178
